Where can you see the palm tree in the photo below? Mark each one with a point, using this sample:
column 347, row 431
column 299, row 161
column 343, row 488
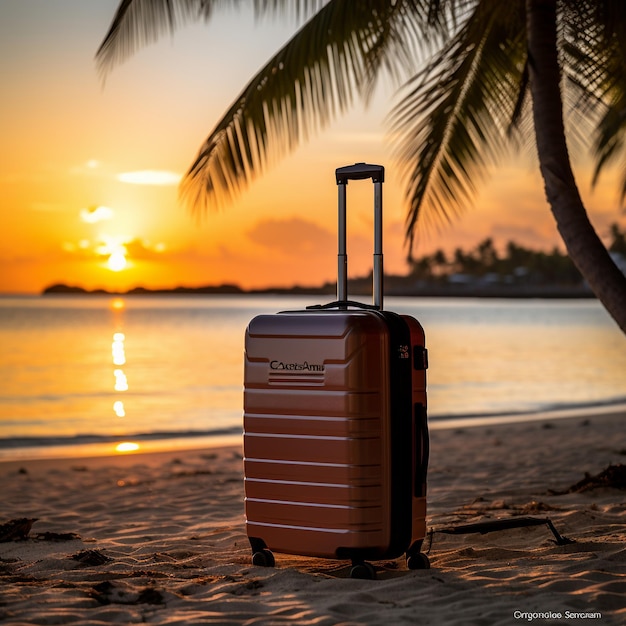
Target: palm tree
column 478, row 76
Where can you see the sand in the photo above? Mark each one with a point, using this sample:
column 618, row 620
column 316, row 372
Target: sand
column 160, row 539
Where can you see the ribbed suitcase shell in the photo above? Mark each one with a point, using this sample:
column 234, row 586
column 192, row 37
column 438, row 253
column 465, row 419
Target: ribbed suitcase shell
column 334, row 444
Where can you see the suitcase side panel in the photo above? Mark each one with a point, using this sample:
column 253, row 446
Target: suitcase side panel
column 420, row 434
column 401, row 429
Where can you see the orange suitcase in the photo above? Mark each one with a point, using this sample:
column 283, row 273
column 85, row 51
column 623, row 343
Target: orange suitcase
column 335, row 426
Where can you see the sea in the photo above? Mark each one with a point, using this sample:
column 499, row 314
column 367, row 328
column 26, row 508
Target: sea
column 96, row 375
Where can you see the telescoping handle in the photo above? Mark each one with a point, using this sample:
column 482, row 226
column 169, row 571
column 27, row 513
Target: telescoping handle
column 361, row 171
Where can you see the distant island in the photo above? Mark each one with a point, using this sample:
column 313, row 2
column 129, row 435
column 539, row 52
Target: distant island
column 61, row 288
column 224, row 289
column 359, row 287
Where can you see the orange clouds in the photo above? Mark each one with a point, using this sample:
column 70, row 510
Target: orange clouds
column 293, row 235
column 95, row 214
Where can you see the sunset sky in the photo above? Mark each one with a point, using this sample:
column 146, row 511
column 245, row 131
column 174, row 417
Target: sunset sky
column 89, row 171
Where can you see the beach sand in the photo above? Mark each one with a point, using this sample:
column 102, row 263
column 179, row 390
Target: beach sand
column 160, row 538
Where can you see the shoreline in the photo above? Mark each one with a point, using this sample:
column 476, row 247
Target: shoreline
column 234, row 443
column 160, row 538
column 180, row 444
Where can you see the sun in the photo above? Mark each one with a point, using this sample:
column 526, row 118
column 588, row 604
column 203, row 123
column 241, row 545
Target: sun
column 113, row 248
column 117, row 261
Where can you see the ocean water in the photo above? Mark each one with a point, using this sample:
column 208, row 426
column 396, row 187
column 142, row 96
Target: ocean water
column 92, row 374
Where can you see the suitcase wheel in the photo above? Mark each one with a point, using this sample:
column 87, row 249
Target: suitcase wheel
column 363, row 570
column 418, row 561
column 263, row 558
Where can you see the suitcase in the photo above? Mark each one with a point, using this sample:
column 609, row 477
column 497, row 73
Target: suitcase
column 335, row 423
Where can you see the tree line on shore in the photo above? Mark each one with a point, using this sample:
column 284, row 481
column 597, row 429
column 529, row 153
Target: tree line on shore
column 517, row 264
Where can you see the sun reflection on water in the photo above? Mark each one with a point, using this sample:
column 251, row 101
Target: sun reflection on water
column 121, row 382
column 117, row 349
column 118, row 355
column 127, row 446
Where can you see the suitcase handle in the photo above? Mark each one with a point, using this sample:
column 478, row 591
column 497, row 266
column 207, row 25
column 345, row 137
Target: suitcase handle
column 343, row 304
column 422, row 443
column 361, row 171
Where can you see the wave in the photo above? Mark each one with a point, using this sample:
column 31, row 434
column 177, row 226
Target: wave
column 12, row 443
column 616, row 403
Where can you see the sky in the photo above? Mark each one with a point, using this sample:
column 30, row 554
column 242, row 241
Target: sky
column 89, row 170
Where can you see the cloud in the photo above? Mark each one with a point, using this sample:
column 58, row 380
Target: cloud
column 96, row 214
column 140, row 249
column 150, row 177
column 83, row 249
column 291, row 236
column 136, row 249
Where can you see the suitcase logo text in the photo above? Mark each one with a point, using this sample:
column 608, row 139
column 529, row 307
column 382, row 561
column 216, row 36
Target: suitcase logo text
column 297, row 367
column 403, row 351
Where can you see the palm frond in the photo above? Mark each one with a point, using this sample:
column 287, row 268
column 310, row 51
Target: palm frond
column 338, row 53
column 458, row 114
column 140, row 22
column 595, row 66
column 298, row 9
column 609, row 145
column 610, row 136
column 341, row 51
column 411, row 31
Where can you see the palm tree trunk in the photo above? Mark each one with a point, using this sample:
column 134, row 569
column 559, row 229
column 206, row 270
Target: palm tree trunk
column 581, row 240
